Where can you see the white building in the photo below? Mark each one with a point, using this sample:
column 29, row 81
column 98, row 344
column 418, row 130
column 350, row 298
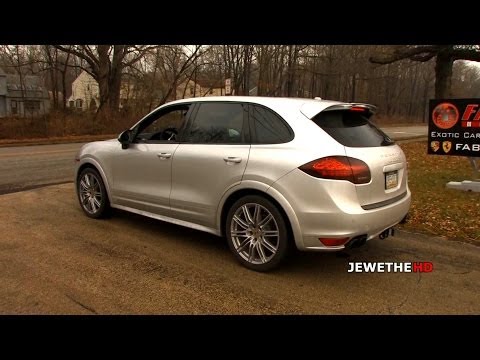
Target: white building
column 85, row 93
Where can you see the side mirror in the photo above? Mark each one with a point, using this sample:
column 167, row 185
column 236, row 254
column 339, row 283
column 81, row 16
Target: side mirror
column 124, row 138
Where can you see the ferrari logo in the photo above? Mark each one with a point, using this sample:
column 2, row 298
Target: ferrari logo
column 435, row 145
column 447, row 146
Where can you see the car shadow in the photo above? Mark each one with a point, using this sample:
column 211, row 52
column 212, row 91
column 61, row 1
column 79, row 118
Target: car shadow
column 298, row 262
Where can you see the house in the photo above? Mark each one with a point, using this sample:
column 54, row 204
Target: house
column 22, row 96
column 200, row 87
column 86, row 93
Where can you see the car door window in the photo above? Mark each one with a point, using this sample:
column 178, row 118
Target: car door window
column 268, row 127
column 163, row 125
column 218, row 123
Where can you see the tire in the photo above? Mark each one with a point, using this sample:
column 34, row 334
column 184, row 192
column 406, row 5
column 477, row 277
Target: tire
column 257, row 247
column 90, row 186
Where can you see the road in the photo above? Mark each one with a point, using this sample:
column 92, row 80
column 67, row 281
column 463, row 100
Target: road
column 406, row 132
column 27, row 167
column 55, row 260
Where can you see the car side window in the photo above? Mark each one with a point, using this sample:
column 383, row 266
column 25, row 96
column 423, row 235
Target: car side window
column 218, row 123
column 163, row 125
column 268, row 127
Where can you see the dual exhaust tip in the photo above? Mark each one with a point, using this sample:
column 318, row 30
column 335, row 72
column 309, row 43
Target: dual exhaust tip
column 361, row 240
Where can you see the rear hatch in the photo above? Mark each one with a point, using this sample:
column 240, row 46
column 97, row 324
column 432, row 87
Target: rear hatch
column 350, row 125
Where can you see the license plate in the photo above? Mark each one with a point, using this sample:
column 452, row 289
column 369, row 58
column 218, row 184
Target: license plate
column 391, row 180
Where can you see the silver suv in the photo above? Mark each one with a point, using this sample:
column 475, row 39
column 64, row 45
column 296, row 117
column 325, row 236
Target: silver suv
column 266, row 173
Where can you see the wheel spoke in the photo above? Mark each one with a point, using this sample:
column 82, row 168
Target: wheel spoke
column 98, row 194
column 96, row 202
column 256, row 215
column 247, row 215
column 244, row 243
column 83, row 185
column 267, row 245
column 239, row 233
column 261, row 253
column 85, row 200
column 92, row 204
column 265, row 220
column 251, row 249
column 87, row 180
column 240, row 222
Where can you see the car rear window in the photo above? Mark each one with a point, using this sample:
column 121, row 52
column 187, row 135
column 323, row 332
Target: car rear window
column 351, row 129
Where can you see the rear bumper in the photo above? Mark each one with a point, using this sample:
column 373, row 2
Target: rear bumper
column 370, row 223
column 329, row 208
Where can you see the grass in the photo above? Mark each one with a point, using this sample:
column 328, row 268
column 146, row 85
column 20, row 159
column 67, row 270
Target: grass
column 435, row 209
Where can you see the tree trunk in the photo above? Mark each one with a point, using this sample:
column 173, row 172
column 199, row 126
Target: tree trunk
column 354, row 87
column 115, row 77
column 115, row 84
column 110, row 75
column 64, row 82
column 103, row 78
column 52, row 68
column 290, row 70
column 443, row 76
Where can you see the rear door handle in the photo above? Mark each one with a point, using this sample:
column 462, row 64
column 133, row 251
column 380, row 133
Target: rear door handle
column 232, row 159
column 164, row 156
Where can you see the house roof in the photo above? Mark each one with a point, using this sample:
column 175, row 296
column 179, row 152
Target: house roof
column 30, row 82
column 32, row 86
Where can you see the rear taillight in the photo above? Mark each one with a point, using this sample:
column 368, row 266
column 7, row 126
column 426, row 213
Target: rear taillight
column 339, row 168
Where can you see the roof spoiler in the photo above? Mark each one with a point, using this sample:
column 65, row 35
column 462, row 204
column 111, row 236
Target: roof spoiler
column 368, row 109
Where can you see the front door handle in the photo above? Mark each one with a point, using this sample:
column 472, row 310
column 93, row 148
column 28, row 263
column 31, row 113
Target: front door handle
column 232, row 159
column 164, row 156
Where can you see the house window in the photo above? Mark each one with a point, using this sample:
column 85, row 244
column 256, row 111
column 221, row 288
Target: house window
column 192, row 90
column 71, row 103
column 31, row 105
column 13, row 107
column 79, row 103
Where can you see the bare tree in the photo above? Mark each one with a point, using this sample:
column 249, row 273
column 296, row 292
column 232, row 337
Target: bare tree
column 106, row 63
column 444, row 55
column 174, row 66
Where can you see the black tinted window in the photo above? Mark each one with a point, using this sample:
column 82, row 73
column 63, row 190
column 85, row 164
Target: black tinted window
column 269, row 128
column 163, row 125
column 351, row 129
column 218, row 123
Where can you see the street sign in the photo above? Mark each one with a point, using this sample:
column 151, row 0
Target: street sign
column 454, row 127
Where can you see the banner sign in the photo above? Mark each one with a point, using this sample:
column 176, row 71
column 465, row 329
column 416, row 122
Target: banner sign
column 454, row 127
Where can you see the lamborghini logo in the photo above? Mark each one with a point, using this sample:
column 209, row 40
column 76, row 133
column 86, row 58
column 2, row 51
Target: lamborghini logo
column 435, row 145
column 447, row 146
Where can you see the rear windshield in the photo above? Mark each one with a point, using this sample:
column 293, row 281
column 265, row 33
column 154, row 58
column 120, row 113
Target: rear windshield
column 351, row 129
